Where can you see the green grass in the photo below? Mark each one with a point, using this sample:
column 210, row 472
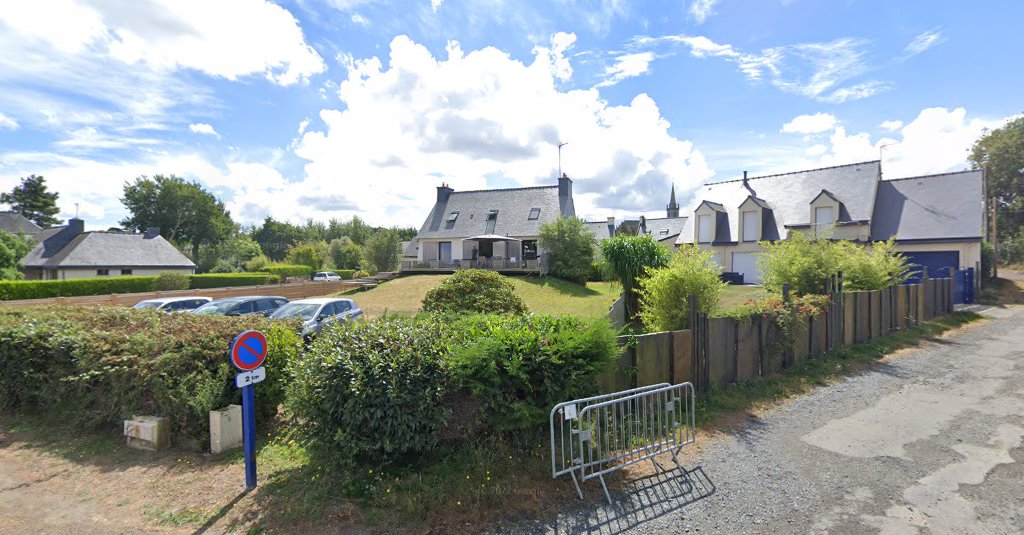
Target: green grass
column 718, row 404
column 735, row 295
column 544, row 295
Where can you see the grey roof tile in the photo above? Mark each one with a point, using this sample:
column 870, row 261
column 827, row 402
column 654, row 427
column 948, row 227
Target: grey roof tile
column 513, row 206
column 601, row 229
column 108, row 249
column 16, row 223
column 946, row 206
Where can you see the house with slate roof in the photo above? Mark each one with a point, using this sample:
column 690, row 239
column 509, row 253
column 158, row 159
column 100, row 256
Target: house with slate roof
column 937, row 221
column 489, row 229
column 16, row 223
column 69, row 252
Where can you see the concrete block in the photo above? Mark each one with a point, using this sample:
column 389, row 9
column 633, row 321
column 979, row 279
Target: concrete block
column 226, row 429
column 148, row 432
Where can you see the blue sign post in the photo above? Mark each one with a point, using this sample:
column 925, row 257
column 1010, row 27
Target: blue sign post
column 248, row 352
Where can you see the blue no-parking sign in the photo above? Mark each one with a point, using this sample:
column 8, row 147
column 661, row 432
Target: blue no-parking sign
column 247, row 353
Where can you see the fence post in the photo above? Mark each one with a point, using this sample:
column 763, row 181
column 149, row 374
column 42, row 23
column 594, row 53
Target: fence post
column 785, row 293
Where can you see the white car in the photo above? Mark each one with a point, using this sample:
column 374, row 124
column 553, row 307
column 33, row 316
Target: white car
column 174, row 304
column 318, row 313
column 328, row 276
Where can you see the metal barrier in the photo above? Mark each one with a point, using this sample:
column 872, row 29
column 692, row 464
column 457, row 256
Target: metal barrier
column 601, row 434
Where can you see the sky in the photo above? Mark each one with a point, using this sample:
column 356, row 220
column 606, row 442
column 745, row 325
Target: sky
column 332, row 108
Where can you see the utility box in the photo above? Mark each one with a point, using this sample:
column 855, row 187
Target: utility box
column 148, row 432
column 226, row 429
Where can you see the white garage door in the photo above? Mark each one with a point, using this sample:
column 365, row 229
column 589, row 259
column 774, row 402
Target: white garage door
column 746, row 263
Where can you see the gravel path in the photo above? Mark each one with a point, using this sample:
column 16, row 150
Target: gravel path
column 927, row 442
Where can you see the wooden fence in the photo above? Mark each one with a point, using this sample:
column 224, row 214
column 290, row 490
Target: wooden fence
column 291, row 291
column 723, row 351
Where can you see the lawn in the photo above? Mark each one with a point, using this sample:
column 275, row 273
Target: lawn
column 734, row 296
column 544, row 295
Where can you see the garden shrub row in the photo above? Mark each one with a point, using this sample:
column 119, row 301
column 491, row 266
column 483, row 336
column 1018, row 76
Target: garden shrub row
column 100, row 365
column 11, row 290
column 289, row 270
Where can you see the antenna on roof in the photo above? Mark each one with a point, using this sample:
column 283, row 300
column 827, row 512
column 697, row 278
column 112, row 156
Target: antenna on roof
column 76, row 210
column 881, row 148
column 560, row 145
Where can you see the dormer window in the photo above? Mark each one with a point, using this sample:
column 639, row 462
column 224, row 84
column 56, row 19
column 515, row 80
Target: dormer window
column 452, row 217
column 534, row 214
column 492, row 220
column 663, row 232
column 750, row 226
column 824, row 217
column 705, row 228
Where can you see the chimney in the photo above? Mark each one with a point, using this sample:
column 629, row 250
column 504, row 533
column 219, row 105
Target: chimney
column 564, row 186
column 611, row 226
column 75, row 227
column 151, row 233
column 443, row 191
column 744, row 178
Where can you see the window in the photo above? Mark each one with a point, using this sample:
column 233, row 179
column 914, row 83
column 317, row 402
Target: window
column 529, row 249
column 340, row 307
column 126, row 272
column 492, row 220
column 102, row 272
column 704, row 228
column 245, row 307
column 750, row 226
column 663, row 232
column 534, row 213
column 452, row 217
column 824, row 216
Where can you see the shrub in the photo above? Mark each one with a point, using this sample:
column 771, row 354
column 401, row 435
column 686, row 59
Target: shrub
column 225, row 280
column 345, row 253
column 72, row 287
column 172, row 280
column 521, row 366
column 798, row 261
column 382, row 251
column 871, row 268
column 373, row 391
column 569, row 246
column 988, row 258
column 474, row 291
column 345, row 274
column 257, row 263
column 781, row 317
column 628, row 258
column 664, row 292
column 100, row 365
column 13, row 247
column 360, row 274
column 223, row 266
column 290, row 270
column 311, row 253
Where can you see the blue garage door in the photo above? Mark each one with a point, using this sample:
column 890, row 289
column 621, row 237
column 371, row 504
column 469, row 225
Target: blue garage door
column 937, row 262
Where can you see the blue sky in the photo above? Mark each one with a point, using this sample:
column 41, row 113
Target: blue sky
column 319, row 109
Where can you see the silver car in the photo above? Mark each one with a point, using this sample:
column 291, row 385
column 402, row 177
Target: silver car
column 319, row 313
column 174, row 304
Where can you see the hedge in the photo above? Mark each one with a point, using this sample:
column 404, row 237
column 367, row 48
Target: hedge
column 224, row 280
column 290, row 270
column 345, row 274
column 10, row 290
column 97, row 366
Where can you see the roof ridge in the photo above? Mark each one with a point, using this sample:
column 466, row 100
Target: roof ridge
column 502, row 189
column 791, row 172
column 931, row 175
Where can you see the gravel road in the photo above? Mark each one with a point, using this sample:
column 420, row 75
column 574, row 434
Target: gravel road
column 927, row 442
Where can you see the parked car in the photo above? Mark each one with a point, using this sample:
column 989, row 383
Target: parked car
column 242, row 306
column 174, row 304
column 328, row 276
column 319, row 313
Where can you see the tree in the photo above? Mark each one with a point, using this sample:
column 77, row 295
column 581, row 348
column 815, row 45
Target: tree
column 382, row 251
column 345, row 253
column 276, row 237
column 32, row 200
column 569, row 246
column 13, row 248
column 229, row 255
column 1001, row 153
column 664, row 292
column 185, row 212
column 629, row 258
column 309, row 253
column 357, row 229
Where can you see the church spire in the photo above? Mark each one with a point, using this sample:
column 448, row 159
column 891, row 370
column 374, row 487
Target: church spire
column 672, row 209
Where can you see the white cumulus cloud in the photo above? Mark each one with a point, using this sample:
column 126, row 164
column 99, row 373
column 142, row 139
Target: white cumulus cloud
column 810, row 124
column 7, row 122
column 627, row 66
column 203, row 128
column 700, row 10
column 891, row 126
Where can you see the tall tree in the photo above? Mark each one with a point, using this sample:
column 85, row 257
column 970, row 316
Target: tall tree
column 383, row 251
column 13, row 248
column 570, row 248
column 185, row 212
column 32, row 200
column 277, row 237
column 1001, row 153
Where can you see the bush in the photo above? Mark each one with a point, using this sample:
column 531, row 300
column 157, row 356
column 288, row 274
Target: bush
column 225, row 280
column 257, row 263
column 569, row 246
column 73, row 287
column 172, row 280
column 373, row 391
column 664, row 292
column 382, row 251
column 101, row 365
column 360, row 274
column 628, row 258
column 345, row 274
column 988, row 258
column 290, row 270
column 520, row 366
column 804, row 264
column 870, row 268
column 311, row 253
column 474, row 291
column 345, row 253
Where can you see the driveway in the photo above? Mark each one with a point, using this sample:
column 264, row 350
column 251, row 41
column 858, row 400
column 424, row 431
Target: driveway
column 929, row 441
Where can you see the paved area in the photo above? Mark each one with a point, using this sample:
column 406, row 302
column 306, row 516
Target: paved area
column 927, row 442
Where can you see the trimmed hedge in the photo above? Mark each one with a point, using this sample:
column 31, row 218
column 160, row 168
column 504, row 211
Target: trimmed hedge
column 474, row 291
column 345, row 274
column 97, row 366
column 290, row 270
column 225, row 280
column 10, row 290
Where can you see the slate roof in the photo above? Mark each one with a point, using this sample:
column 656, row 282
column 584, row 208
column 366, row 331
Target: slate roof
column 16, row 223
column 947, row 206
column 601, row 229
column 674, row 225
column 410, row 248
column 789, row 195
column 107, row 249
column 513, row 206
